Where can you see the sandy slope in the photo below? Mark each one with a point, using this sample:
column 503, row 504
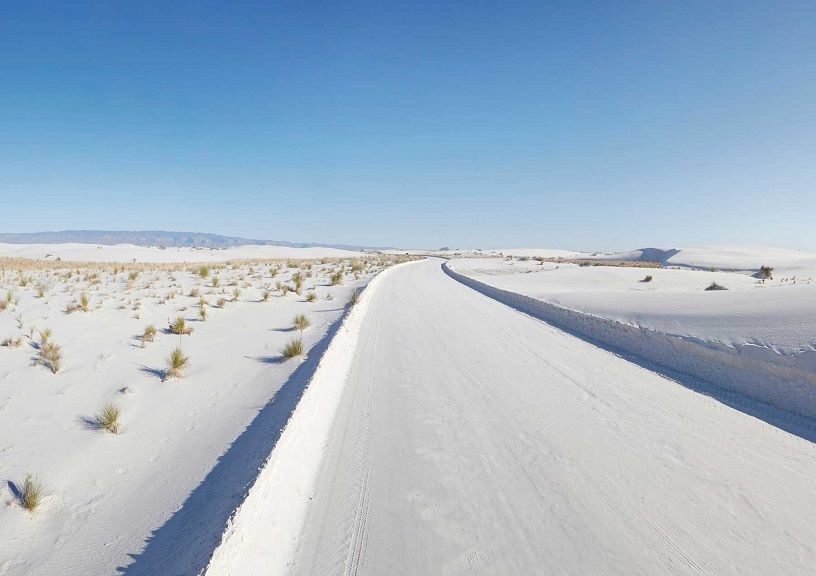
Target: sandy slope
column 474, row 439
column 131, row 253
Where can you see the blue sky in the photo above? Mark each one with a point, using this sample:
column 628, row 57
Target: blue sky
column 587, row 125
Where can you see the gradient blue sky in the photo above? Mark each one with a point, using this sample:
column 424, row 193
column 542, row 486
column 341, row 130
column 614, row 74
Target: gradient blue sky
column 589, row 125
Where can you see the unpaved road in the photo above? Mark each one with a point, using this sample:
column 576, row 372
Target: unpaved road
column 472, row 439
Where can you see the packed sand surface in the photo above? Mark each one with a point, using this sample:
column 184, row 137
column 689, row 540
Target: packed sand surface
column 519, row 449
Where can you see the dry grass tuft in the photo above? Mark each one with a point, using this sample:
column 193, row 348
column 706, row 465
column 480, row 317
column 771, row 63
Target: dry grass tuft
column 177, row 362
column 32, row 494
column 108, row 419
column 292, row 349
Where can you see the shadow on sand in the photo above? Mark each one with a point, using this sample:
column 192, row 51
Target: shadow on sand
column 186, row 541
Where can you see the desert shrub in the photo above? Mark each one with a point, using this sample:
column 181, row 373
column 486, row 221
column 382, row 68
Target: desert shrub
column 354, row 298
column 149, row 333
column 108, row 419
column 235, row 294
column 202, row 314
column 357, row 266
column 204, row 271
column 215, row 282
column 32, row 494
column 51, row 356
column 221, row 303
column 311, row 297
column 297, row 280
column 266, row 295
column 715, row 286
column 12, row 342
column 766, row 272
column 84, row 302
column 194, row 293
column 45, row 334
column 132, row 276
column 179, row 326
column 648, row 278
column 292, row 349
column 177, row 362
column 301, row 322
column 336, row 278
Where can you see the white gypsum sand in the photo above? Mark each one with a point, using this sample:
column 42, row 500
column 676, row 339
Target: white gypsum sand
column 111, row 499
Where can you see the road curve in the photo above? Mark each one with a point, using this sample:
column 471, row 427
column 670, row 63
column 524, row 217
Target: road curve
column 472, row 439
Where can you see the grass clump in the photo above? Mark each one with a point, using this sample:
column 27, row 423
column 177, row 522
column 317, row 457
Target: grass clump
column 301, row 322
column 265, row 296
column 149, row 334
column 84, row 302
column 311, row 297
column 179, row 326
column 177, row 362
column 336, row 278
column 354, row 298
column 215, row 282
column 292, row 349
column 108, row 419
column 51, row 356
column 32, row 494
column 715, row 286
column 204, row 271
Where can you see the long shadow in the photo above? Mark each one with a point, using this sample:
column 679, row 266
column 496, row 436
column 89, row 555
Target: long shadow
column 186, row 541
column 794, row 424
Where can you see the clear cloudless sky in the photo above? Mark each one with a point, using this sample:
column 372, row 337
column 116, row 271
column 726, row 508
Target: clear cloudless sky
column 585, row 125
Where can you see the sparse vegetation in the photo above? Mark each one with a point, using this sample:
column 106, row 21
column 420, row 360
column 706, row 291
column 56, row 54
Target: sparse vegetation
column 108, row 419
column 311, row 297
column 204, row 271
column 301, row 322
column 51, row 356
column 179, row 326
column 84, row 302
column 32, row 494
column 292, row 349
column 336, row 278
column 149, row 334
column 354, row 298
column 766, row 272
column 177, row 362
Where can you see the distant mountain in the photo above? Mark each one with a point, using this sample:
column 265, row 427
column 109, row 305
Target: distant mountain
column 153, row 238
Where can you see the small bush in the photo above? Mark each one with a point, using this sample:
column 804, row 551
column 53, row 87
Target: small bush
column 84, row 302
column 301, row 322
column 179, row 326
column 715, row 286
column 202, row 314
column 266, row 295
column 149, row 333
column 311, row 297
column 194, row 293
column 355, row 298
column 235, row 294
column 108, row 419
column 647, row 279
column 766, row 272
column 221, row 303
column 12, row 343
column 215, row 282
column 51, row 356
column 336, row 278
column 292, row 349
column 204, row 271
column 177, row 362
column 32, row 493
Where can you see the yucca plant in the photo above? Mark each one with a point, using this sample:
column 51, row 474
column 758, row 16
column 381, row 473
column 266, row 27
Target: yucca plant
column 108, row 419
column 149, row 334
column 177, row 362
column 51, row 356
column 292, row 349
column 179, row 326
column 301, row 322
column 32, row 493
